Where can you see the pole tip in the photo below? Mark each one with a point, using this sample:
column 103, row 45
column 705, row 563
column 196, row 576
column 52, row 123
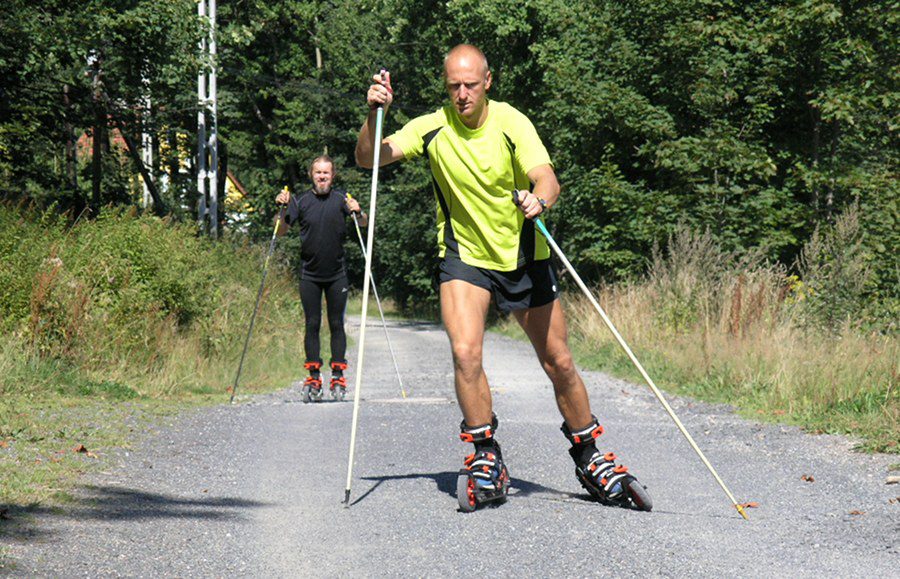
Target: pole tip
column 743, row 513
column 347, row 499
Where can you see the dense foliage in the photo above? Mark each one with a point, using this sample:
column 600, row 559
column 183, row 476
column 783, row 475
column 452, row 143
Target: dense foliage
column 132, row 295
column 758, row 121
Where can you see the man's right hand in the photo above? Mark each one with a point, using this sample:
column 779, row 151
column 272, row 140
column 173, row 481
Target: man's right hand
column 380, row 93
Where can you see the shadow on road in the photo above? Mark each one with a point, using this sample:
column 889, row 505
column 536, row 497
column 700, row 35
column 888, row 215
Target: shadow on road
column 446, row 483
column 108, row 503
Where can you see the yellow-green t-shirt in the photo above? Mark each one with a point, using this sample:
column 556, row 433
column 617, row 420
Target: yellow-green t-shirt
column 474, row 173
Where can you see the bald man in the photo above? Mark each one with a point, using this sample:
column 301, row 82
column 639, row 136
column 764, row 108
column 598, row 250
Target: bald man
column 491, row 176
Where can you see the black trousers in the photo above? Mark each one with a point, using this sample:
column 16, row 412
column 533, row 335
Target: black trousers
column 336, row 302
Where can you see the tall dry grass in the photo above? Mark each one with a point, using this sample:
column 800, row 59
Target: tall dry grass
column 738, row 330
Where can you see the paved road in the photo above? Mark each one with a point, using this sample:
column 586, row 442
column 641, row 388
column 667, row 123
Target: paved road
column 255, row 489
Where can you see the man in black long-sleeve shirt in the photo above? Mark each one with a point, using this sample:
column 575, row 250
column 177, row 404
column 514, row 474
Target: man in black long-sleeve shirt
column 322, row 212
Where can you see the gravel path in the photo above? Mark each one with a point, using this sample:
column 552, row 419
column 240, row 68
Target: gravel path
column 255, row 489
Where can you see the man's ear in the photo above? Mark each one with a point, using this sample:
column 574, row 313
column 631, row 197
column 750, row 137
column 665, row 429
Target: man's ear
column 487, row 80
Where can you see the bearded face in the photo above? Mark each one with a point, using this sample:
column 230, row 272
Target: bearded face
column 322, row 175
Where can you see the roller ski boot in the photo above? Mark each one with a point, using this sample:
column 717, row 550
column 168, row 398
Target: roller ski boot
column 312, row 386
column 484, row 478
column 338, row 381
column 601, row 477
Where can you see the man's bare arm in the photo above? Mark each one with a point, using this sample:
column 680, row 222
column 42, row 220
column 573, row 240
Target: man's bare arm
column 365, row 146
column 380, row 95
column 546, row 188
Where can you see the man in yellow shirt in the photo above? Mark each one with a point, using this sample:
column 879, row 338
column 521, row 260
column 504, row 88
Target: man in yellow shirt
column 491, row 176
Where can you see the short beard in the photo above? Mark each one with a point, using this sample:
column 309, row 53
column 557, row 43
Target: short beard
column 320, row 191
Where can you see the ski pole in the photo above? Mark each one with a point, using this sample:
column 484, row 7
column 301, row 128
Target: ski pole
column 259, row 293
column 634, row 360
column 370, row 237
column 378, row 302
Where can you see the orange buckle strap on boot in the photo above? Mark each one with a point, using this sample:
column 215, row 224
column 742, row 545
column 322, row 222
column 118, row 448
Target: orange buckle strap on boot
column 579, row 437
column 588, row 434
column 478, row 433
column 312, row 386
column 338, row 384
column 338, row 381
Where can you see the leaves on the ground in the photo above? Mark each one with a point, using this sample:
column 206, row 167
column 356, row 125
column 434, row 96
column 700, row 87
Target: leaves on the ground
column 856, row 512
column 750, row 505
column 808, row 478
column 81, row 449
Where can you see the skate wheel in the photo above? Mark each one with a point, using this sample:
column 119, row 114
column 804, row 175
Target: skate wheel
column 465, row 493
column 639, row 496
column 306, row 395
column 336, row 394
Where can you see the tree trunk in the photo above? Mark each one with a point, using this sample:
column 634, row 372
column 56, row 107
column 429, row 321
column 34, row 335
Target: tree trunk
column 97, row 138
column 71, row 151
column 174, row 168
column 222, row 178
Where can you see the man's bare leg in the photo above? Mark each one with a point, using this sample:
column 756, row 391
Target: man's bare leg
column 464, row 310
column 546, row 328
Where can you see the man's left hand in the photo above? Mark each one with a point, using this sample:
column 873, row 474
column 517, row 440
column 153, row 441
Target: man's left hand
column 353, row 205
column 529, row 204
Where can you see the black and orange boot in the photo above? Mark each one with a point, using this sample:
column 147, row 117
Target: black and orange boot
column 338, row 381
column 601, row 477
column 312, row 386
column 484, row 478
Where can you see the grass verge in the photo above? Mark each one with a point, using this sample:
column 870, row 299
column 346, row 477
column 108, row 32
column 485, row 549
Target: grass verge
column 846, row 385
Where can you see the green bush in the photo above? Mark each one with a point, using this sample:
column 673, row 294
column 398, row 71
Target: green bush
column 127, row 297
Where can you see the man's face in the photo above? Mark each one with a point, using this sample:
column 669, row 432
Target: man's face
column 322, row 176
column 467, row 83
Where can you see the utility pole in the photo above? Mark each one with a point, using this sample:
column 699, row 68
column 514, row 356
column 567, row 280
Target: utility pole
column 201, row 129
column 146, row 143
column 208, row 147
column 214, row 133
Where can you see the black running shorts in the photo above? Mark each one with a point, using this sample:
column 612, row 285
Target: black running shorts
column 530, row 286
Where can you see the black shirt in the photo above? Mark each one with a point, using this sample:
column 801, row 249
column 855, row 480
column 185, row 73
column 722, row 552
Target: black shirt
column 323, row 225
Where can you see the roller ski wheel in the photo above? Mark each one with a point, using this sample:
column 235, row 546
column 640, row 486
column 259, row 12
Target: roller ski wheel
column 611, row 485
column 485, row 480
